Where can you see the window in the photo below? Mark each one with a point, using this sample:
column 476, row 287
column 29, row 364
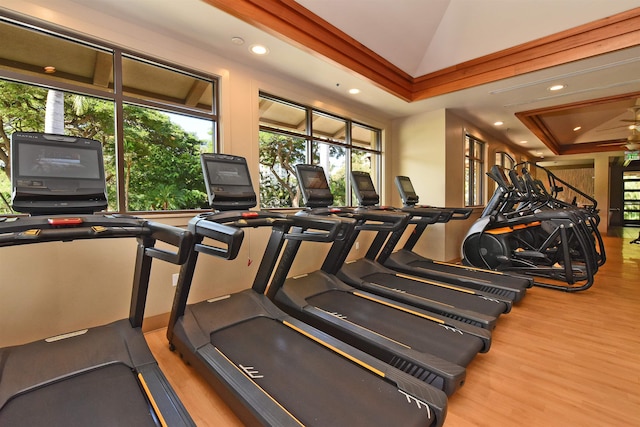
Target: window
column 291, row 133
column 631, row 197
column 473, row 171
column 505, row 160
column 153, row 119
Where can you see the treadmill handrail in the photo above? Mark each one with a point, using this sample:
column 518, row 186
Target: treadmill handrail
column 325, row 229
column 21, row 231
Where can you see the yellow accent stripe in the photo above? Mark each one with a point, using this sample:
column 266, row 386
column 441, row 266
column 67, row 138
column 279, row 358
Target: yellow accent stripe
column 441, row 285
column 397, row 307
column 509, row 229
column 163, row 423
column 467, row 267
column 414, row 296
column 343, row 319
column 257, row 385
column 340, row 352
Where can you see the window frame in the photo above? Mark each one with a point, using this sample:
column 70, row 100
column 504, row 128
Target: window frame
column 471, row 180
column 116, row 94
column 310, row 140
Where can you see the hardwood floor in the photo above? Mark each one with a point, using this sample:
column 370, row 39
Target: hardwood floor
column 558, row 359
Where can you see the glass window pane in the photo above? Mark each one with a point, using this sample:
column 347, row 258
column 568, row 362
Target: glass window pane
column 477, row 150
column 631, row 185
column 632, row 195
column 467, row 183
column 280, row 115
column 362, row 136
column 144, row 80
column 278, row 156
column 161, row 162
column 332, row 158
column 29, row 51
column 328, row 129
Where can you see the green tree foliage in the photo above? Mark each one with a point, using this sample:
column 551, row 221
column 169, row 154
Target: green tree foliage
column 278, row 156
column 162, row 166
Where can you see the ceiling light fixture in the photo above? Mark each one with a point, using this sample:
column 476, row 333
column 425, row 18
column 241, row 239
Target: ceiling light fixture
column 354, row 91
column 556, row 87
column 49, row 69
column 258, row 49
column 577, row 128
column 237, row 40
column 523, row 142
column 498, row 123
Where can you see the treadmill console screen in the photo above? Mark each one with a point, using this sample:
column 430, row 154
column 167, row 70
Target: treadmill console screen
column 407, row 192
column 363, row 187
column 53, row 174
column 228, row 181
column 314, row 186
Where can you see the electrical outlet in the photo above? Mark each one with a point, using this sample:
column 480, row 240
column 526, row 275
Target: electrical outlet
column 174, row 279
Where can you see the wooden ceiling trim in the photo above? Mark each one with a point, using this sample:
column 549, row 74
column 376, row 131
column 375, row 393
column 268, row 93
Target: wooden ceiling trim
column 594, row 147
column 304, row 29
column 534, row 121
column 598, row 37
column 299, row 26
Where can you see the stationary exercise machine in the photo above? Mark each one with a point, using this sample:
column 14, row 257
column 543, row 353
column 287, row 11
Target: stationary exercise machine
column 467, row 305
column 404, row 259
column 377, row 325
column 98, row 376
column 523, row 229
column 271, row 368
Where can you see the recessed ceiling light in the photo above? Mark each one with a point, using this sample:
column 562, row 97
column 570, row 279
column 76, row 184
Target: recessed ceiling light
column 557, row 87
column 354, row 91
column 523, row 142
column 498, row 123
column 237, row 40
column 258, row 49
column 49, row 69
column 577, row 128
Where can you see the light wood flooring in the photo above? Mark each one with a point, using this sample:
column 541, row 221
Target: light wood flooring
column 558, row 359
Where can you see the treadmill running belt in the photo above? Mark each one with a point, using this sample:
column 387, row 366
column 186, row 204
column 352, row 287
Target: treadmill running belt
column 315, row 384
column 435, row 339
column 108, row 396
column 415, row 287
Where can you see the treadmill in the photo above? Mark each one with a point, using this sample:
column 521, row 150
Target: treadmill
column 98, row 376
column 382, row 327
column 466, row 305
column 405, row 260
column 270, row 368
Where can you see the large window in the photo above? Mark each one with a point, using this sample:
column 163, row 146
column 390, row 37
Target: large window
column 291, row 133
column 473, row 171
column 631, row 202
column 152, row 118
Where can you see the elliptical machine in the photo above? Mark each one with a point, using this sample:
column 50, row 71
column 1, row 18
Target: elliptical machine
column 524, row 229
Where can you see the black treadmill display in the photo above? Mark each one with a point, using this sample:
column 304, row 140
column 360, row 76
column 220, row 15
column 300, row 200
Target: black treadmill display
column 407, row 187
column 314, row 179
column 228, row 182
column 222, row 174
column 56, row 174
column 53, row 161
column 364, row 183
column 407, row 192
